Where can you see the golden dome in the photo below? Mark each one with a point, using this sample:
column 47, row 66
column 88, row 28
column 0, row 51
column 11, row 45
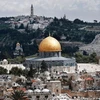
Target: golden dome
column 49, row 44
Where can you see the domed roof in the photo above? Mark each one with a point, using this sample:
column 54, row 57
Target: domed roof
column 45, row 90
column 5, row 60
column 47, row 73
column 37, row 90
column 30, row 91
column 49, row 44
column 38, row 80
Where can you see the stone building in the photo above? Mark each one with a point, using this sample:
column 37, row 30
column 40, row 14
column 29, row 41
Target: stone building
column 54, row 86
column 18, row 50
column 5, row 64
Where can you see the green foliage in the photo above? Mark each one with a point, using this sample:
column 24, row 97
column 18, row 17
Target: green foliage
column 70, row 50
column 86, row 58
column 12, row 36
column 16, row 71
column 25, row 72
column 9, row 37
column 21, row 26
column 16, row 26
column 4, row 26
column 5, row 53
column 70, row 30
column 78, row 21
column 93, row 57
column 18, row 95
column 44, row 66
column 31, row 72
column 5, row 18
column 18, row 60
column 3, row 71
column 30, row 49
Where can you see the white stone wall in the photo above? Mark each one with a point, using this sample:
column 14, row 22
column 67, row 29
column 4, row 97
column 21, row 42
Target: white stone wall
column 10, row 66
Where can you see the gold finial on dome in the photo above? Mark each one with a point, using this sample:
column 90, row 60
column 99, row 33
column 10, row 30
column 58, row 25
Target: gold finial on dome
column 49, row 44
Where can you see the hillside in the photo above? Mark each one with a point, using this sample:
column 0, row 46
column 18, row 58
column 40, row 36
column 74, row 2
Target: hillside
column 27, row 30
column 94, row 46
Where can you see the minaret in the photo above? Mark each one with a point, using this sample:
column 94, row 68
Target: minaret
column 31, row 10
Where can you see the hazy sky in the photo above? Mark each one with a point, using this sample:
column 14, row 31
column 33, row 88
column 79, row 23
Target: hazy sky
column 86, row 10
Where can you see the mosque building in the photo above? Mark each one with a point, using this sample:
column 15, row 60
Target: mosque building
column 50, row 52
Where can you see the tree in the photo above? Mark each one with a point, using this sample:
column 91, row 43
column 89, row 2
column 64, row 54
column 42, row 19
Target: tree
column 35, row 46
column 69, row 82
column 78, row 21
column 55, row 19
column 56, row 36
column 21, row 26
column 70, row 50
column 25, row 72
column 95, row 21
column 16, row 26
column 20, row 59
column 31, row 72
column 16, row 71
column 44, row 66
column 27, row 29
column 18, row 95
column 92, row 58
column 3, row 70
column 79, row 57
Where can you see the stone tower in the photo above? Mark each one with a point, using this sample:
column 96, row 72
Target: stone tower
column 32, row 11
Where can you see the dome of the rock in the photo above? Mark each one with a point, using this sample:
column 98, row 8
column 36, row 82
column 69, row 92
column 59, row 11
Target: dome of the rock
column 49, row 44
